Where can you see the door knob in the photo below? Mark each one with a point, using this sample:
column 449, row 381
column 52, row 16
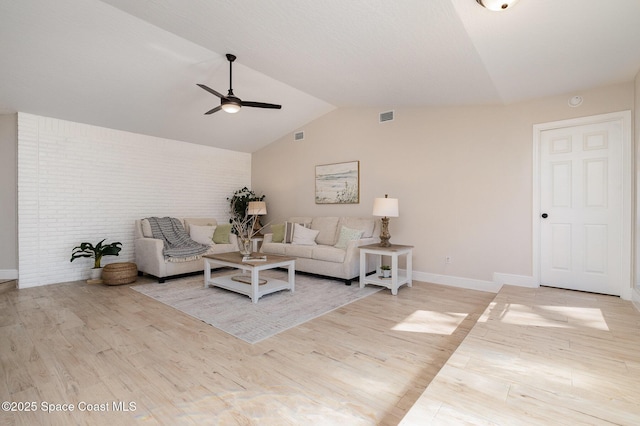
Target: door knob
column 544, row 215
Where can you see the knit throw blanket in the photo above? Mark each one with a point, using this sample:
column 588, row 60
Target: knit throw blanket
column 178, row 246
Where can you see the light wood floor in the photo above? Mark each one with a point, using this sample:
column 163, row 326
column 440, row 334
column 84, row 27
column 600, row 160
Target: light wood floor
column 541, row 357
column 363, row 364
column 526, row 361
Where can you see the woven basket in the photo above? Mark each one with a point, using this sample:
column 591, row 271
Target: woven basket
column 119, row 273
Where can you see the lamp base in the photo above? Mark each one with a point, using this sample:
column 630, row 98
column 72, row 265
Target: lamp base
column 384, row 234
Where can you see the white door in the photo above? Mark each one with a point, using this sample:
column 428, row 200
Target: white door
column 581, row 207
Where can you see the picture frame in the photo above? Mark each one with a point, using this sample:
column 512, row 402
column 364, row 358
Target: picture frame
column 338, row 183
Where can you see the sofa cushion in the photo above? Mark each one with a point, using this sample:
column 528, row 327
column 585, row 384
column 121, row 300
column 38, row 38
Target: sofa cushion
column 299, row 251
column 303, row 236
column 346, row 235
column 221, row 234
column 221, row 248
column 202, row 234
column 327, row 227
column 278, row 233
column 328, row 253
column 274, row 248
column 364, row 224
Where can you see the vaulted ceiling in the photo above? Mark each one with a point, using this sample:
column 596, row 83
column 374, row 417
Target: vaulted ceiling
column 134, row 64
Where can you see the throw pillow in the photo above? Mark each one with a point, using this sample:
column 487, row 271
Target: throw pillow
column 278, row 233
column 289, row 230
column 366, row 224
column 221, row 234
column 346, row 235
column 303, row 236
column 202, row 234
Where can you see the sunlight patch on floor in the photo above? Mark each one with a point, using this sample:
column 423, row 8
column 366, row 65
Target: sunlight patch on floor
column 431, row 322
column 547, row 316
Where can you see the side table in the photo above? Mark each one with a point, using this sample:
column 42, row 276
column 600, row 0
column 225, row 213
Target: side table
column 397, row 278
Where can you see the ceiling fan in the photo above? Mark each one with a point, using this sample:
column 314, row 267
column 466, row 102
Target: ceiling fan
column 231, row 103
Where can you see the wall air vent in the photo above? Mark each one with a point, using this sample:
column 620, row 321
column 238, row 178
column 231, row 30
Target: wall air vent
column 298, row 136
column 386, row 116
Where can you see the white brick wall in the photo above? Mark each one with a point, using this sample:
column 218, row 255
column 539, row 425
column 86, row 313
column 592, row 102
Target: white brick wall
column 80, row 183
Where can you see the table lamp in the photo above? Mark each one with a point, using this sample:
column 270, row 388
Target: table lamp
column 255, row 209
column 385, row 207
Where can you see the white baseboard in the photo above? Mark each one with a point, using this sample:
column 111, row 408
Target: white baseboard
column 472, row 284
column 8, row 274
column 468, row 283
column 517, row 280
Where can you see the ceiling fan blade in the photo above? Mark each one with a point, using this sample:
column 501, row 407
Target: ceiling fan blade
column 216, row 109
column 210, row 90
column 260, row 105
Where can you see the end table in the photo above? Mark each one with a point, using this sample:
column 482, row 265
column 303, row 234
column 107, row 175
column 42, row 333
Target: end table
column 397, row 278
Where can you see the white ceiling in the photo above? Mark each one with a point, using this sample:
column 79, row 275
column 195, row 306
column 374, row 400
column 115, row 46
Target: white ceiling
column 134, row 64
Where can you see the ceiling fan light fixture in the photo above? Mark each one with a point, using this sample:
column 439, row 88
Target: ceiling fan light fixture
column 497, row 5
column 230, row 105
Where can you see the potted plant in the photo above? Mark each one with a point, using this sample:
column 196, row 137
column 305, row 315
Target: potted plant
column 96, row 252
column 386, row 271
column 239, row 202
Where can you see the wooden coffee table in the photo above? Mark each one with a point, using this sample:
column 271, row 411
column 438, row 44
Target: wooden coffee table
column 254, row 287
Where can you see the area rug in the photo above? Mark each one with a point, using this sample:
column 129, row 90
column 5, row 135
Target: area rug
column 234, row 313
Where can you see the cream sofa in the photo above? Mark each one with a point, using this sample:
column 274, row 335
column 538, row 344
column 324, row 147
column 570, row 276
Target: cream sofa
column 323, row 258
column 149, row 257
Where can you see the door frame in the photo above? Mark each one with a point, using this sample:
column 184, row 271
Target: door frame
column 627, row 190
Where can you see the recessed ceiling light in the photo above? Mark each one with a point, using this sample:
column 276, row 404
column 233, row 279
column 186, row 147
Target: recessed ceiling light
column 575, row 101
column 497, row 4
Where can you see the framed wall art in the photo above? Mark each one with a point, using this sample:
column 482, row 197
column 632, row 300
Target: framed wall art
column 338, row 183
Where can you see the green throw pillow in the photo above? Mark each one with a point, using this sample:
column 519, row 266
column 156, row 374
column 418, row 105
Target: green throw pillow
column 278, row 233
column 221, row 234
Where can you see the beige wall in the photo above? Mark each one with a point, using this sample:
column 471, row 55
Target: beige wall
column 463, row 175
column 8, row 196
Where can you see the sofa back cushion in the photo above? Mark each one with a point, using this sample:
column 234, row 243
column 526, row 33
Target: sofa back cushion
column 303, row 220
column 146, row 228
column 364, row 224
column 327, row 228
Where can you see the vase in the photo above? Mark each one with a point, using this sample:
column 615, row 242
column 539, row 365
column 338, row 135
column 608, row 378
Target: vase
column 386, row 273
column 245, row 245
column 95, row 273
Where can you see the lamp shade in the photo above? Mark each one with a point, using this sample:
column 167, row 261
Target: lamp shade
column 257, row 208
column 387, row 207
